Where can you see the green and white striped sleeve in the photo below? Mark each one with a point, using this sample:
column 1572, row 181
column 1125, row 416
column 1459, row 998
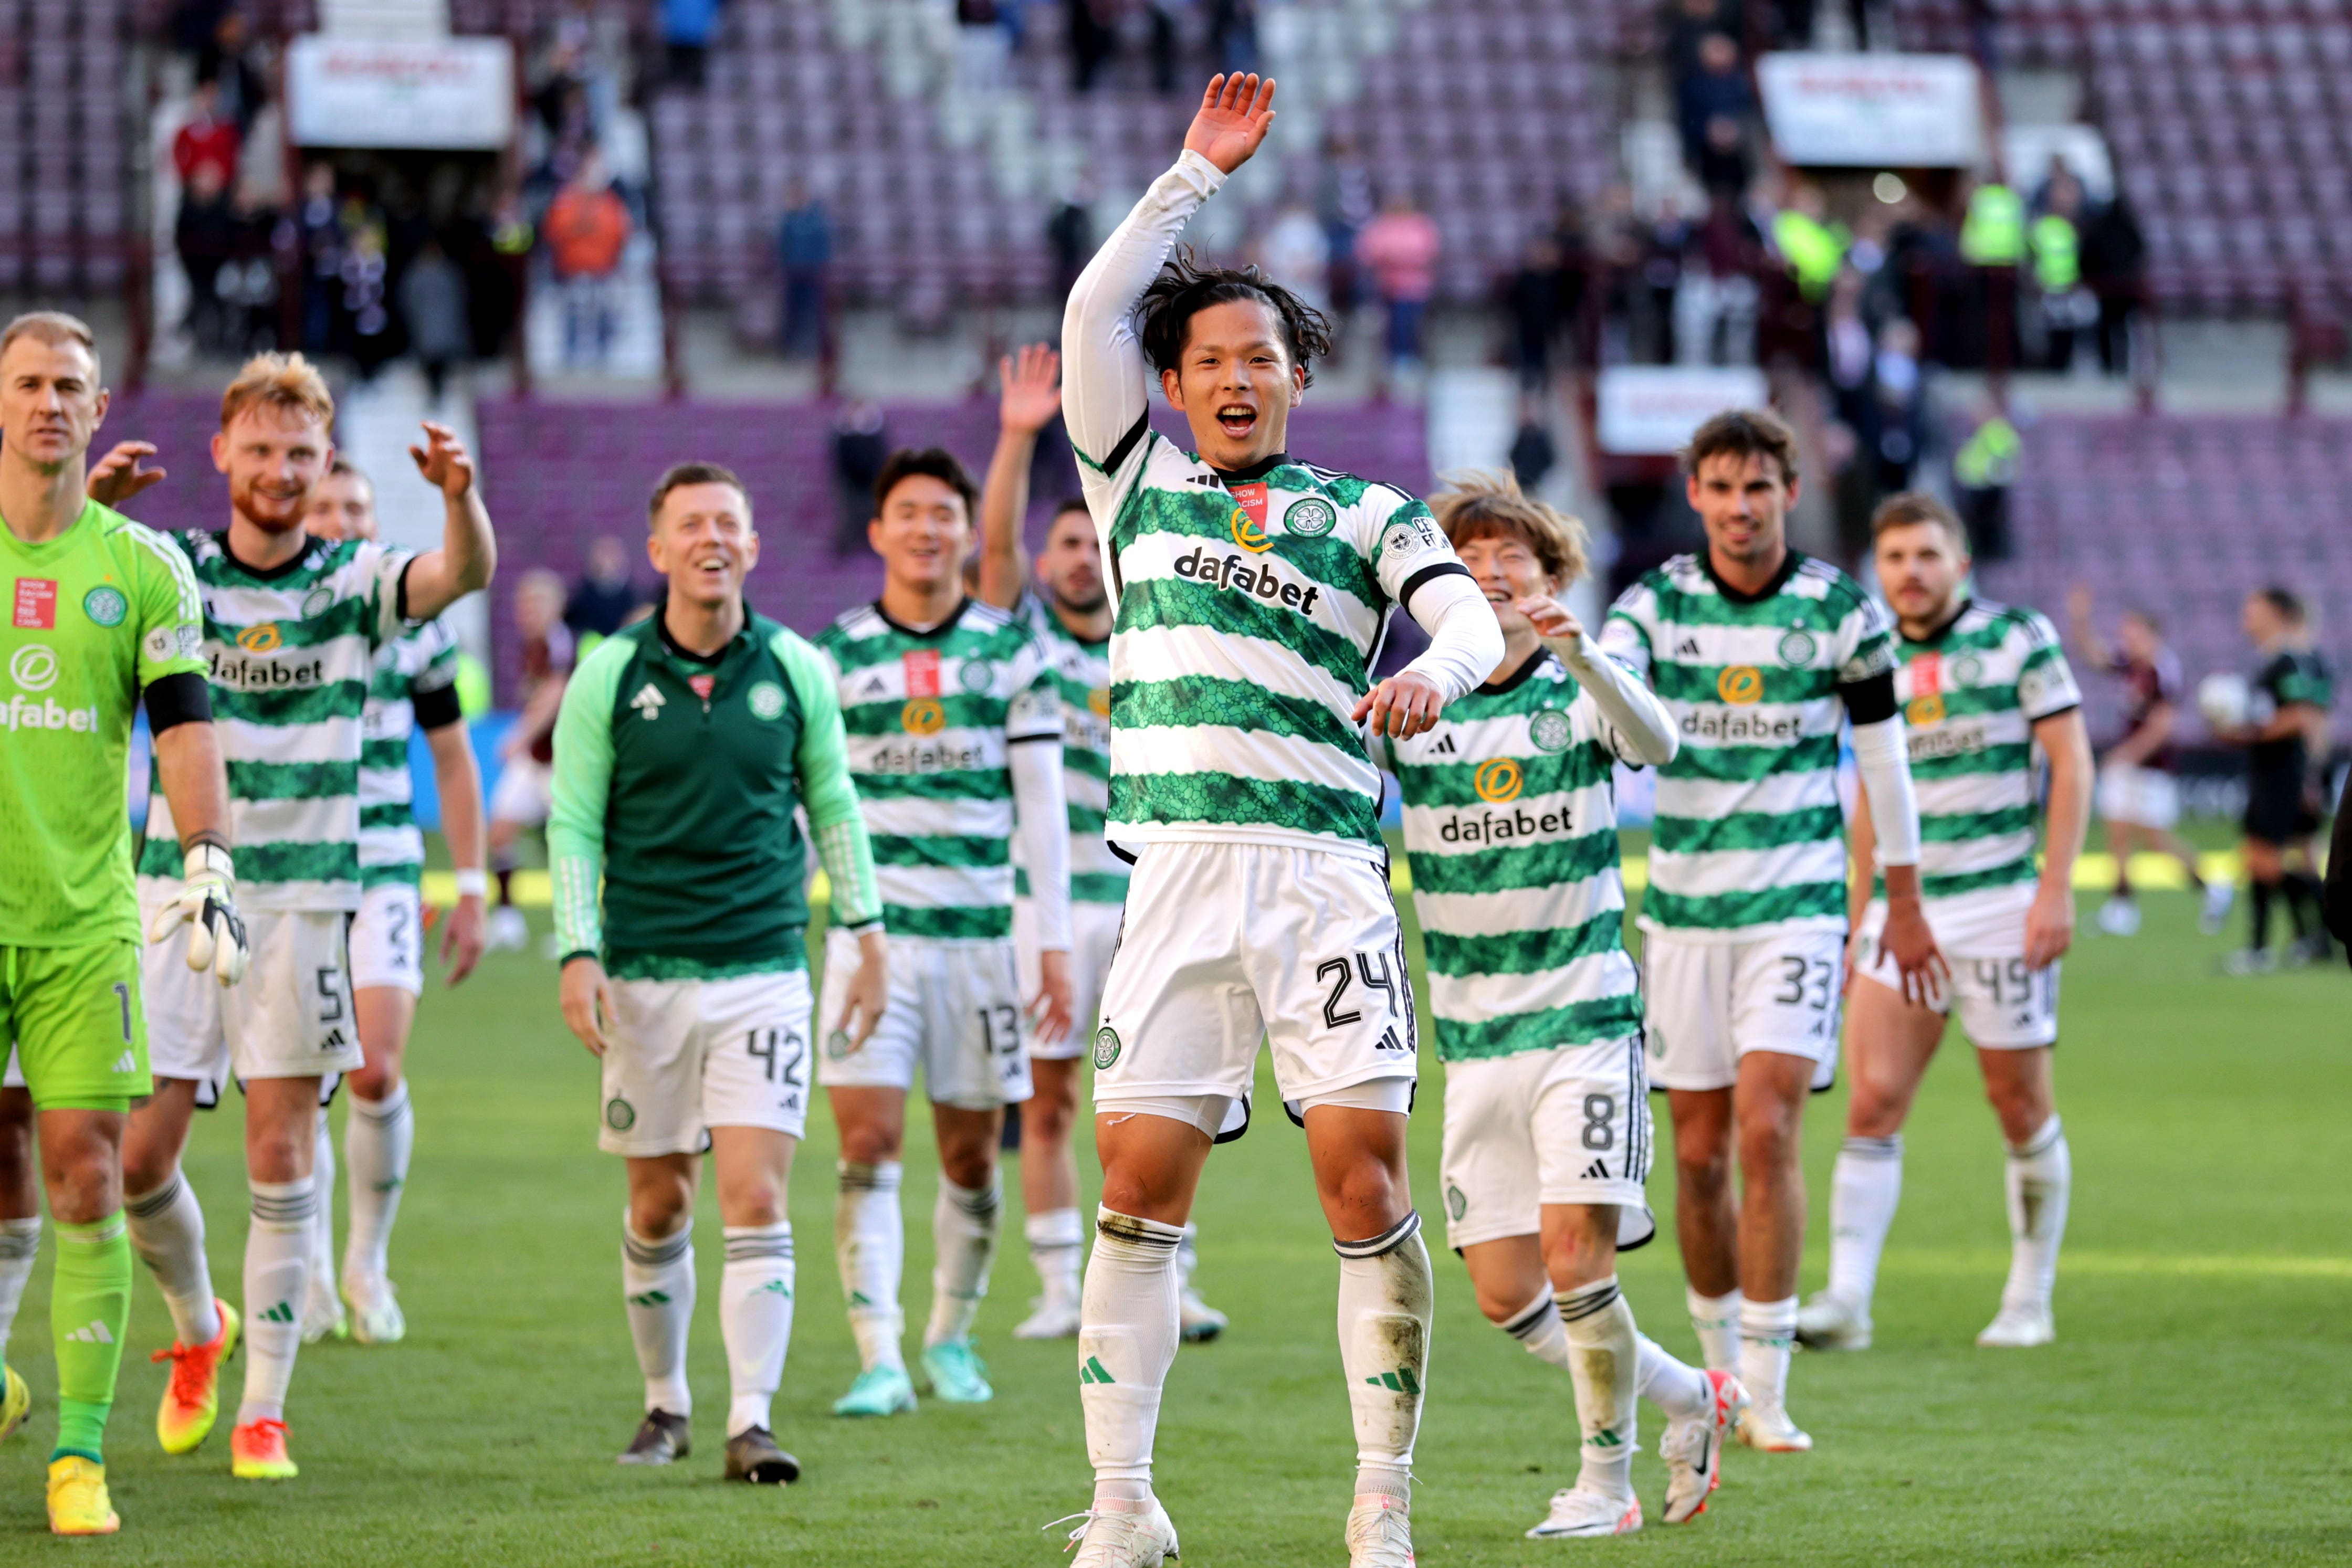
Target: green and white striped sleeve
column 583, row 787
column 835, row 821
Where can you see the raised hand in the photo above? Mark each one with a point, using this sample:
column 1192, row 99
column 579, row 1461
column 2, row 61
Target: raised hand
column 1234, row 114
column 444, row 461
column 1032, row 389
column 1551, row 618
column 118, row 477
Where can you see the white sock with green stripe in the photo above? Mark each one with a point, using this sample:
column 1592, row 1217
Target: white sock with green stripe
column 277, row 1243
column 1768, row 1331
column 657, row 1282
column 1537, row 1327
column 376, row 1144
column 869, row 1243
column 1865, row 1189
column 964, row 1227
column 1606, row 1350
column 1127, row 1342
column 1057, row 1242
column 755, row 1317
column 323, row 1223
column 1386, row 1292
column 20, row 1244
column 167, row 1231
column 1715, row 1321
column 2041, row 1178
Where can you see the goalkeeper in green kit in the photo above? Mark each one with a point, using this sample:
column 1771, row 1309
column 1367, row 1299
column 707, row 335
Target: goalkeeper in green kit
column 101, row 613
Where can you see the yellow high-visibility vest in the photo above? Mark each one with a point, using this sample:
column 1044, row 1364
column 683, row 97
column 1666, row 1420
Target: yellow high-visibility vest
column 1993, row 234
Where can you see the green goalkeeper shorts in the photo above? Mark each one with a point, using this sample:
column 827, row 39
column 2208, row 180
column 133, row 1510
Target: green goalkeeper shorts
column 73, row 1016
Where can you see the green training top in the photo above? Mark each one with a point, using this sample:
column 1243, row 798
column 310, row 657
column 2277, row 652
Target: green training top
column 677, row 779
column 95, row 614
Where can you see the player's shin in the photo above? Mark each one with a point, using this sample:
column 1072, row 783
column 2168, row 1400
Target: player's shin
column 1126, row 1341
column 376, row 1144
column 658, row 1284
column 1599, row 1328
column 167, row 1231
column 1385, row 1303
column 20, row 1244
column 755, row 1317
column 89, row 1307
column 870, row 1245
column 2041, row 1176
column 1864, row 1190
column 964, row 1225
column 276, row 1274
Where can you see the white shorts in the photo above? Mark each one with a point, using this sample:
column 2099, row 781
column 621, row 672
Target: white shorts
column 691, row 1055
column 2004, row 1005
column 955, row 1011
column 388, row 940
column 290, row 1016
column 1710, row 1003
column 1228, row 944
column 1567, row 1126
column 1094, row 937
column 2141, row 797
column 523, row 793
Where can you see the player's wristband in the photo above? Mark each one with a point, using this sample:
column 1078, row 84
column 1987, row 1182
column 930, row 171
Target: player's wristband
column 207, row 860
column 473, row 882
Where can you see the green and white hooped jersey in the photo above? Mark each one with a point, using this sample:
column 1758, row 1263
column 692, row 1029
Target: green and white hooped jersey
column 291, row 655
column 1971, row 696
column 1082, row 677
column 1750, row 839
column 1250, row 611
column 931, row 717
column 1510, row 826
column 392, row 848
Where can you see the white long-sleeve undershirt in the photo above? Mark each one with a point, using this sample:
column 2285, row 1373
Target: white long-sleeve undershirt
column 1882, row 756
column 1632, row 708
column 1043, row 826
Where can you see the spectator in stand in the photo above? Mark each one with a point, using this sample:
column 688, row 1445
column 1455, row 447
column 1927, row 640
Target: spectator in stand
column 2055, row 239
column 435, row 309
column 1811, row 244
column 1717, row 90
column 1295, row 253
column 1070, row 233
column 587, row 230
column 1687, row 23
column 1345, row 205
column 206, row 236
column 1725, row 163
column 1534, row 454
column 519, row 798
column 1571, row 238
column 1982, row 471
column 860, row 444
column 1535, row 299
column 984, row 44
column 1233, row 35
column 2114, row 258
column 1902, row 398
column 1715, row 305
column 226, row 61
column 206, row 140
column 1400, row 249
column 686, row 27
column 606, row 598
column 1092, row 29
column 321, row 238
column 804, row 250
column 366, row 319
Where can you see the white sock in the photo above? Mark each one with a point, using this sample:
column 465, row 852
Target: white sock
column 1599, row 1323
column 1715, row 1321
column 1057, row 1240
column 963, row 1247
column 1188, row 1257
column 1385, row 1300
column 1538, row 1328
column 277, row 1243
column 2041, row 1176
column 323, row 1224
column 376, row 1144
column 1126, row 1341
column 167, row 1231
column 755, row 1317
column 1675, row 1387
column 657, row 1282
column 1767, row 1330
column 20, row 1243
column 869, row 1243
column 1864, row 1188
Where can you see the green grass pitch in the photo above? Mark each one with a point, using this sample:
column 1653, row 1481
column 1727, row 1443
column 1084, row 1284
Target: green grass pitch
column 2193, row 1410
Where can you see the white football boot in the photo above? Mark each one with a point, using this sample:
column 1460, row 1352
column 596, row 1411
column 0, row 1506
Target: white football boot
column 376, row 1317
column 1049, row 1319
column 1693, row 1448
column 1833, row 1323
column 2215, row 913
column 1769, row 1430
column 2120, row 917
column 1379, row 1533
column 1576, row 1513
column 1116, row 1538
column 2018, row 1328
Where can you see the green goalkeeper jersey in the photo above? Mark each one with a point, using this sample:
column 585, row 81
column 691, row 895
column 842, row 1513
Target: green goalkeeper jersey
column 95, row 615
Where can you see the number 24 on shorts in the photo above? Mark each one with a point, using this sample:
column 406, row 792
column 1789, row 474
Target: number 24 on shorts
column 1373, row 971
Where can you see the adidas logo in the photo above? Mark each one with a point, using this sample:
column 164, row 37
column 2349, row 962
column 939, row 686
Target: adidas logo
column 392, row 1185
column 647, row 702
column 283, row 1312
column 775, row 1287
column 650, row 1298
column 1401, row 1380
column 1389, row 1041
column 857, row 1299
column 1597, row 1171
column 334, row 1040
column 1687, row 649
column 1607, row 1437
column 95, row 1334
column 129, row 1062
column 1444, row 747
column 1092, row 1372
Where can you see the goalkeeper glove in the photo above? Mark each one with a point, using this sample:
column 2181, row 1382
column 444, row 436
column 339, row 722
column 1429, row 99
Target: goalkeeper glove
column 207, row 903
